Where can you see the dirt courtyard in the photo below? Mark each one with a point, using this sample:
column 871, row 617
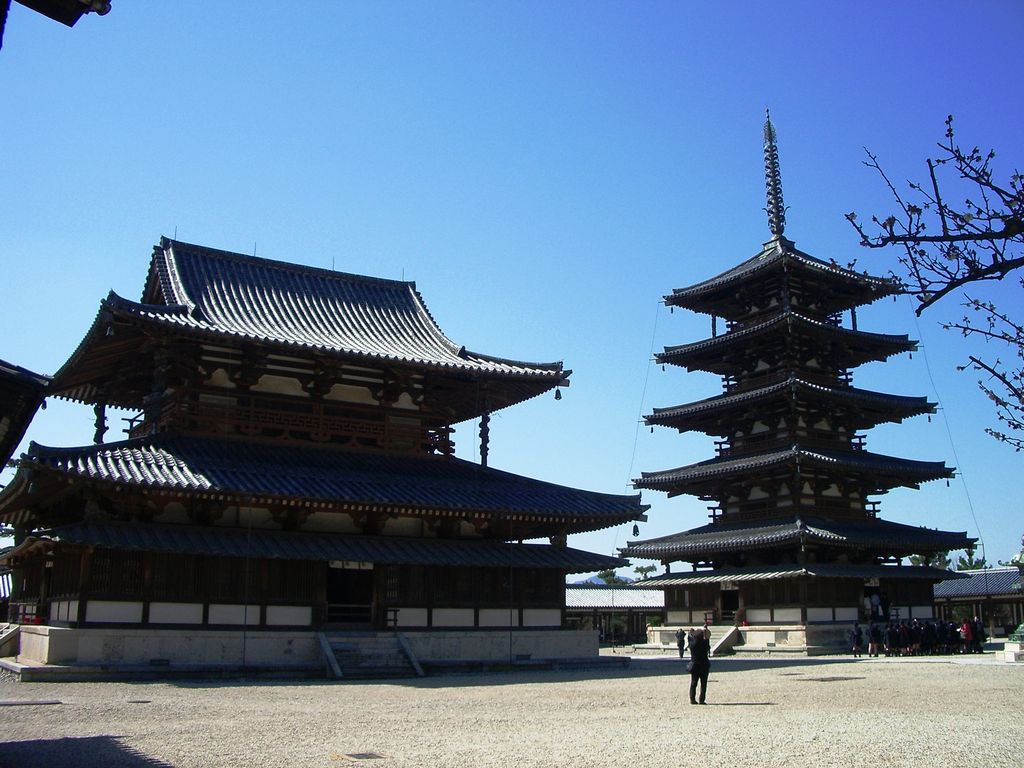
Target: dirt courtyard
column 761, row 712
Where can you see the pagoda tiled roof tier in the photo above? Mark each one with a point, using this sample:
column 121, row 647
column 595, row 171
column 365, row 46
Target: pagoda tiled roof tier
column 734, row 352
column 21, row 394
column 873, row 535
column 297, row 545
column 825, row 287
column 855, row 408
column 708, row 478
column 813, row 570
column 323, row 477
column 233, row 300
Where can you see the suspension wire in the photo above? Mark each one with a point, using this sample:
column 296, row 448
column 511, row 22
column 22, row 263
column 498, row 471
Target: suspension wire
column 643, row 397
column 949, row 434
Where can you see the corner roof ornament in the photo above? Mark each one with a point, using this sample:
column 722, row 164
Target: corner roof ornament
column 775, row 209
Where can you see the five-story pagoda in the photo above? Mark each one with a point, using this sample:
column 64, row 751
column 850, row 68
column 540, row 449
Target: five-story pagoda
column 794, row 537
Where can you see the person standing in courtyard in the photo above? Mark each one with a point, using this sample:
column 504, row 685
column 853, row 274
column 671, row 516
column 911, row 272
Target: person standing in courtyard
column 700, row 663
column 856, row 639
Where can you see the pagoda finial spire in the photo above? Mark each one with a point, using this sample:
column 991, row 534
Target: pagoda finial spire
column 773, row 180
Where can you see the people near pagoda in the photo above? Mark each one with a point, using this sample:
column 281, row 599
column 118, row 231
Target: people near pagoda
column 700, row 663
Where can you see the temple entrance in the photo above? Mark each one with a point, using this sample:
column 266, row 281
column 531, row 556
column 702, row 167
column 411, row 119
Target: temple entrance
column 730, row 604
column 349, row 593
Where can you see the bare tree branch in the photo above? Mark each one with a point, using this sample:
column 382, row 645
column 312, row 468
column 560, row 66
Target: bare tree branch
column 979, row 241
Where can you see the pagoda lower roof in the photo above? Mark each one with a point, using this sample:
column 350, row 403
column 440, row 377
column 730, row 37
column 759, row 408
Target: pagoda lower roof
column 232, row 300
column 883, row 471
column 811, row 570
column 838, row 288
column 322, row 547
column 873, row 534
column 291, row 475
column 871, row 407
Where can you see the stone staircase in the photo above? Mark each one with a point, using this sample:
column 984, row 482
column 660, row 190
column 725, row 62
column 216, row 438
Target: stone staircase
column 368, row 655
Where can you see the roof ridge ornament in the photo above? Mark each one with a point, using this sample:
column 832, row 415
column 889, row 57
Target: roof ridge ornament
column 775, row 209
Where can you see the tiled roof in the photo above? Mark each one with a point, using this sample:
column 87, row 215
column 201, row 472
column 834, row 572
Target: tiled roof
column 242, row 303
column 985, row 582
column 21, row 393
column 868, row 346
column 718, row 538
column 610, row 597
column 282, row 545
column 230, row 294
column 898, row 406
column 823, row 570
column 890, row 470
column 781, row 253
column 209, row 467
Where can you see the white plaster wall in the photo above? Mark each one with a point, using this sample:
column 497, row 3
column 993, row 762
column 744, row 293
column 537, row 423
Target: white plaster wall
column 498, row 617
column 501, row 646
column 759, row 615
column 787, row 615
column 403, row 526
column 680, row 618
column 819, row 614
column 113, row 611
column 289, row 615
column 336, row 522
column 279, row 385
column 453, row 617
column 542, row 617
column 412, row 617
column 175, row 613
column 173, row 512
column 233, row 614
column 922, row 611
column 847, row 614
column 348, row 393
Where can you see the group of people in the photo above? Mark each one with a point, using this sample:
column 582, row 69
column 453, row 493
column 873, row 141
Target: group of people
column 698, row 642
column 919, row 638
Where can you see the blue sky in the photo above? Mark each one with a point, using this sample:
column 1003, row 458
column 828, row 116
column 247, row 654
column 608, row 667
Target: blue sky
column 545, row 171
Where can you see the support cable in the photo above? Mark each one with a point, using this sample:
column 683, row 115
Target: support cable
column 949, row 435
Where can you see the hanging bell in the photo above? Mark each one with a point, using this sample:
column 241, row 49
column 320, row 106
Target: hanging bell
column 558, row 394
column 636, row 529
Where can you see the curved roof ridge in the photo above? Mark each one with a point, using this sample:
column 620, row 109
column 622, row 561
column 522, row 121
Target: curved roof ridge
column 778, row 249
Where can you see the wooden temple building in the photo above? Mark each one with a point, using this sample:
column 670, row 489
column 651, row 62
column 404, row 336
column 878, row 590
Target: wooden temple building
column 289, row 469
column 795, row 548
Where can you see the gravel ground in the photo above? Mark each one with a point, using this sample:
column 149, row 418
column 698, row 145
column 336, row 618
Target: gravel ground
column 761, row 712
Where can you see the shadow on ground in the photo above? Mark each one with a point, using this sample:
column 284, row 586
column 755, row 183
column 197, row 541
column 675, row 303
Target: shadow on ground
column 638, row 668
column 105, row 751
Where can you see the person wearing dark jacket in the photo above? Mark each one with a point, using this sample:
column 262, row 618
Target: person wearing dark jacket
column 700, row 663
